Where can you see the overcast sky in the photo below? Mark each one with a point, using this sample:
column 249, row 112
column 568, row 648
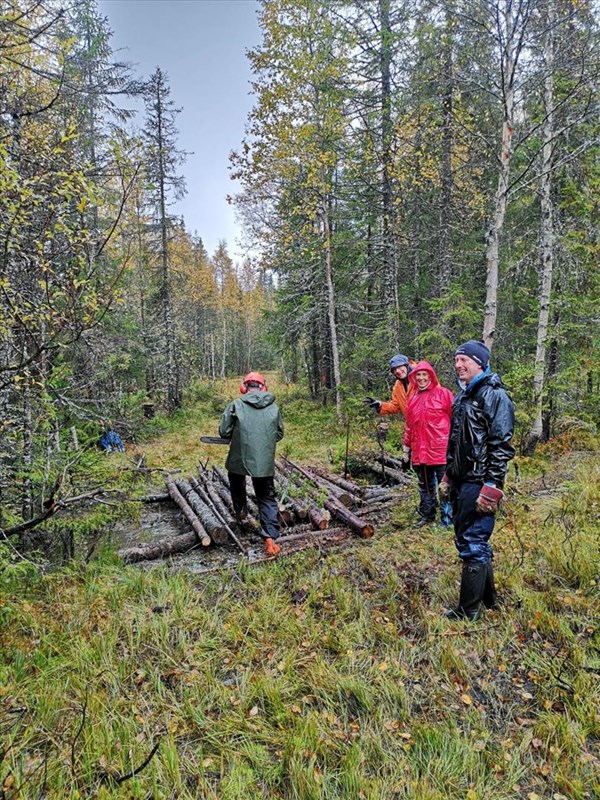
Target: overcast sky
column 201, row 45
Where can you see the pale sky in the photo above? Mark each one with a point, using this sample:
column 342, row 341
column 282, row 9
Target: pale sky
column 201, row 45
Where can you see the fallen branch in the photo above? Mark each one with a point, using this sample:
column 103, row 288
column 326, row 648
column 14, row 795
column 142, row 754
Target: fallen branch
column 118, row 778
column 57, row 505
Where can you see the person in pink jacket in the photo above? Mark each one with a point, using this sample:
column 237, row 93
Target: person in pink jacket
column 428, row 416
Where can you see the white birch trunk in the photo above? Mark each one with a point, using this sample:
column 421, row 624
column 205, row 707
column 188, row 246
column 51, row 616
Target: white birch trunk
column 337, row 379
column 546, row 238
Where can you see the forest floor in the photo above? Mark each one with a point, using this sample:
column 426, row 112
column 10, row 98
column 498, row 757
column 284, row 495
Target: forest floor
column 323, row 674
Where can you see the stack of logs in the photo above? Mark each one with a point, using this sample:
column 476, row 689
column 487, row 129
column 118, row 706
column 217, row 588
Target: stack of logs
column 308, row 499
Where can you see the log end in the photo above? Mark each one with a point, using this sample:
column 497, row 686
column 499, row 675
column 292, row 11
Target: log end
column 367, row 531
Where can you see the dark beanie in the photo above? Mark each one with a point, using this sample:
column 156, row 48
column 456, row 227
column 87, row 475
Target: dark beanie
column 475, row 350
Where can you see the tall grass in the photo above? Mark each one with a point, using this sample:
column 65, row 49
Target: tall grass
column 320, row 675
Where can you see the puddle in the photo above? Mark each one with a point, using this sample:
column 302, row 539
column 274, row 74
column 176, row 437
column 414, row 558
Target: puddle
column 165, row 520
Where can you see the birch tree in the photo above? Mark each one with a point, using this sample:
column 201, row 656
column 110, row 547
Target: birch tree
column 511, row 20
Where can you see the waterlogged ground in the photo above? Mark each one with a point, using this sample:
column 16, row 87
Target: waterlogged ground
column 164, row 520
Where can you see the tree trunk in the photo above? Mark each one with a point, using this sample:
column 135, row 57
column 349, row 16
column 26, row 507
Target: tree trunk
column 546, row 238
column 390, row 274
column 337, row 378
column 510, row 29
column 446, row 176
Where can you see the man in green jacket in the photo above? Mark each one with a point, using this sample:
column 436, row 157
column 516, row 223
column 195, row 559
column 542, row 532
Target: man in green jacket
column 254, row 425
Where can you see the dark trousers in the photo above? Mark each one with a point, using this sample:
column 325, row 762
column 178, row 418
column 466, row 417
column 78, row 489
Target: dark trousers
column 429, row 475
column 472, row 530
column 266, row 500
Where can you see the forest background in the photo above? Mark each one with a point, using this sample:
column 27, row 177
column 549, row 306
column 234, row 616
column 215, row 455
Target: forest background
column 412, row 173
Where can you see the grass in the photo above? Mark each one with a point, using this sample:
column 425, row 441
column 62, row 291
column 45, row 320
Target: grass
column 322, row 675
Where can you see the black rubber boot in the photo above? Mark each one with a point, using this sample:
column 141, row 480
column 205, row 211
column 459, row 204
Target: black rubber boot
column 472, row 586
column 490, row 598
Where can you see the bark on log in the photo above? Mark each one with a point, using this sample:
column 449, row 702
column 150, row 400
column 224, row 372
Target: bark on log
column 214, row 499
column 197, row 526
column 202, row 514
column 216, row 510
column 160, row 549
column 345, row 498
column 225, row 495
column 197, row 503
column 390, row 473
column 358, row 525
column 343, row 483
column 377, row 492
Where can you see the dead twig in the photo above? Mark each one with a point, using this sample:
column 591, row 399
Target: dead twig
column 118, row 778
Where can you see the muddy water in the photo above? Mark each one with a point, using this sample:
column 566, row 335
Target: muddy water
column 164, row 520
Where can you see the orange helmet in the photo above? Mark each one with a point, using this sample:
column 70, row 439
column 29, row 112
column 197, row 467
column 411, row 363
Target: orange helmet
column 253, row 377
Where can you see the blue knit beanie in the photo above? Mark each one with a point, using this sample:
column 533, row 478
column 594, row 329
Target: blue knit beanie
column 476, row 350
column 399, row 361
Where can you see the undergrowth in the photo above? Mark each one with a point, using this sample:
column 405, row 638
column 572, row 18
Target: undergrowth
column 326, row 674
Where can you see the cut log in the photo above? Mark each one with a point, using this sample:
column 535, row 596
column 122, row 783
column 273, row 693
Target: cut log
column 319, row 517
column 315, row 535
column 285, row 515
column 213, row 499
column 215, row 509
column 160, row 549
column 358, row 525
column 390, row 473
column 333, row 505
column 345, row 498
column 343, row 483
column 155, row 498
column 202, row 513
column 294, row 509
column 197, row 526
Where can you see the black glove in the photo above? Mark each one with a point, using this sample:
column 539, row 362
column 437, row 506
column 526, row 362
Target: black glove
column 376, row 404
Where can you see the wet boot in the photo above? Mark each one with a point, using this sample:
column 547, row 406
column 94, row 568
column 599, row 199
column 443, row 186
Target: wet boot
column 472, row 586
column 490, row 598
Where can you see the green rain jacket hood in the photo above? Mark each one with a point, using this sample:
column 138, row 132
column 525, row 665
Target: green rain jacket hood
column 254, row 425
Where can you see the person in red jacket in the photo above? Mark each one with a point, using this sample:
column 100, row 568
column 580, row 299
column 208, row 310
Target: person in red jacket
column 428, row 415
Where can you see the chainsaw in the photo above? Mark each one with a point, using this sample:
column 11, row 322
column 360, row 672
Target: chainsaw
column 214, row 440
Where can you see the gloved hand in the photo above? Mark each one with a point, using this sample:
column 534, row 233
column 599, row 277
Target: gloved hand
column 489, row 499
column 443, row 489
column 375, row 404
